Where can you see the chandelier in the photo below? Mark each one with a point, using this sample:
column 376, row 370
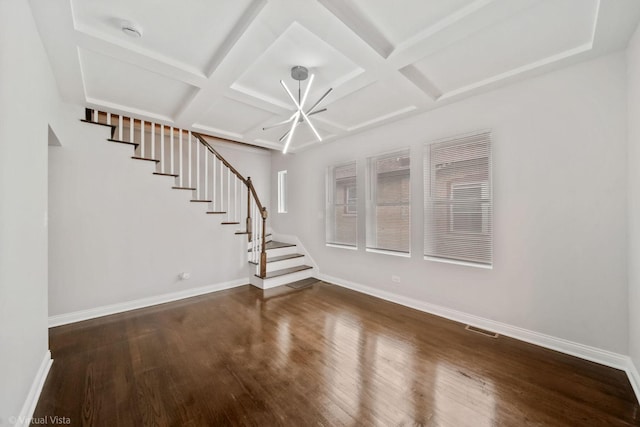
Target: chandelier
column 300, row 74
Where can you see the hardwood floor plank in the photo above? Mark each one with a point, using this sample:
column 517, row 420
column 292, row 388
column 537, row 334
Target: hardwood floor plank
column 323, row 356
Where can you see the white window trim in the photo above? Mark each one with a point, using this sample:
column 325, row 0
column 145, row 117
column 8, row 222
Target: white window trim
column 388, row 252
column 335, row 245
column 457, row 262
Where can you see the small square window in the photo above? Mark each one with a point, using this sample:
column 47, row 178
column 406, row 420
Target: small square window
column 282, row 192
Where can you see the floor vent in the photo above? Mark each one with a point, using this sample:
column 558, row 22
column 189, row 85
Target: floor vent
column 482, row 331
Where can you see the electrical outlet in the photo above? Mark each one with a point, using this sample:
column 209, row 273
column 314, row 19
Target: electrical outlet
column 184, row 276
column 395, row 279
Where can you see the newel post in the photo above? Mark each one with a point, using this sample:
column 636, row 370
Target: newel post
column 248, row 225
column 263, row 252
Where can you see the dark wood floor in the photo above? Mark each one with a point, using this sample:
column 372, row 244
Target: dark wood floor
column 320, row 356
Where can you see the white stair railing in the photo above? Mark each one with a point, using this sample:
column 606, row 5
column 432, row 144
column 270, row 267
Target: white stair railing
column 199, row 167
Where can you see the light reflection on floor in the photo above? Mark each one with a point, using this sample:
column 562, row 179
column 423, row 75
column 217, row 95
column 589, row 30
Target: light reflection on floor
column 465, row 399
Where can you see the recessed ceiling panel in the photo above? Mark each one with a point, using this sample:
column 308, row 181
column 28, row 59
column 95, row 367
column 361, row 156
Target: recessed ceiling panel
column 400, row 21
column 546, row 29
column 295, row 46
column 117, row 82
column 368, row 105
column 187, row 31
column 233, row 117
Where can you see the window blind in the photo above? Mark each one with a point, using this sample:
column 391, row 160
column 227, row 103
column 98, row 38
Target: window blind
column 458, row 199
column 388, row 204
column 342, row 205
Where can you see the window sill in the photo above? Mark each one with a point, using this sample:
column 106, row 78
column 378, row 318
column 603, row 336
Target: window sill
column 464, row 263
column 335, row 245
column 393, row 253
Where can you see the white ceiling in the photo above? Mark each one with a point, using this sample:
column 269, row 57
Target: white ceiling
column 214, row 65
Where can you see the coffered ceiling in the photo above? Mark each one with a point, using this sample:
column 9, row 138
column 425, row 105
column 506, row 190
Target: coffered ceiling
column 214, row 66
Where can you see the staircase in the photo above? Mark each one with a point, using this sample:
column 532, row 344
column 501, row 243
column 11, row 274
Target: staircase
column 196, row 166
column 285, row 264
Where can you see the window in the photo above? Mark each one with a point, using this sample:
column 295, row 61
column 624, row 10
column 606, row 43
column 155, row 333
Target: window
column 342, row 205
column 458, row 203
column 282, row 192
column 350, row 200
column 388, row 203
column 469, row 215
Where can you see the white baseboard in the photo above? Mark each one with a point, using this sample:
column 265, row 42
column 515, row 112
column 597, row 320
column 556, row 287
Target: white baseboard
column 29, row 406
column 634, row 378
column 582, row 351
column 78, row 316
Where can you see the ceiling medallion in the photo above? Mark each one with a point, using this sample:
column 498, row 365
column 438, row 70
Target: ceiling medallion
column 299, row 73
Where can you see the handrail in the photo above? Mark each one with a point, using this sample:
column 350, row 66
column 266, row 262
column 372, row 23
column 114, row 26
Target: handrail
column 127, row 121
column 247, row 182
column 252, row 190
column 219, row 156
column 255, row 196
column 95, row 116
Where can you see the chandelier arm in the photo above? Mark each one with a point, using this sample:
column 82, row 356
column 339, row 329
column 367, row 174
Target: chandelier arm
column 284, row 136
column 301, row 112
column 306, row 91
column 316, row 112
column 284, row 122
column 290, row 94
column 313, row 128
column 291, row 132
column 319, row 100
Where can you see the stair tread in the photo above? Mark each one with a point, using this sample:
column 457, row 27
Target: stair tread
column 144, row 158
column 278, row 273
column 183, row 188
column 276, row 245
column 201, row 201
column 284, row 257
column 97, row 123
column 216, row 212
column 229, row 223
column 166, row 174
column 241, row 232
column 119, row 141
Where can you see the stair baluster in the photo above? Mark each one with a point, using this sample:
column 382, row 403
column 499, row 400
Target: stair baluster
column 142, row 147
column 153, row 141
column 189, row 162
column 197, row 171
column 163, row 166
column 221, row 197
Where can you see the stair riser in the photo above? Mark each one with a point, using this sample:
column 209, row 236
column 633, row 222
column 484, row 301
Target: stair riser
column 282, row 251
column 281, row 280
column 280, row 265
column 268, row 239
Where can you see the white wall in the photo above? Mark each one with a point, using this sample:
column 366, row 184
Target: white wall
column 560, row 206
column 27, row 95
column 119, row 233
column 633, row 74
